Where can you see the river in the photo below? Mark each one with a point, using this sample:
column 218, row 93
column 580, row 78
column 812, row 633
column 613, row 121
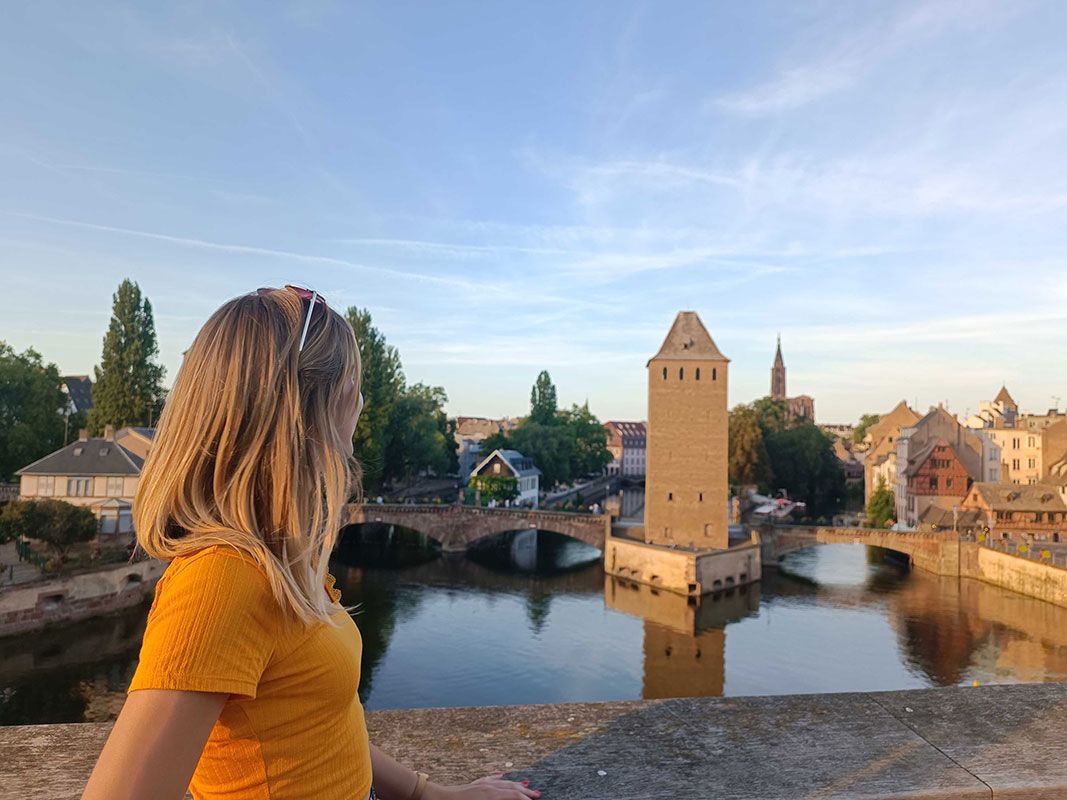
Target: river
column 533, row 619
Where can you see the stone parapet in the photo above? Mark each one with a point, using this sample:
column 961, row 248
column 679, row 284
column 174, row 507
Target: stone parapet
column 994, row 741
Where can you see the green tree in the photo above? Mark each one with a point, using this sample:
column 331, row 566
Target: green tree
column 803, row 462
column 31, row 425
column 882, row 506
column 749, row 462
column 866, row 421
column 382, row 383
column 550, row 446
column 419, row 434
column 58, row 524
column 129, row 381
column 590, row 440
column 543, row 405
column 772, row 415
column 496, row 487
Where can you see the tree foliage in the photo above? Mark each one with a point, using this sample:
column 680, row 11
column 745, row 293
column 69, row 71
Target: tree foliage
column 772, row 415
column 750, row 464
column 496, row 487
column 403, row 430
column 866, row 421
column 31, row 425
column 803, row 462
column 881, row 506
column 129, row 381
column 59, row 524
column 564, row 445
column 543, row 405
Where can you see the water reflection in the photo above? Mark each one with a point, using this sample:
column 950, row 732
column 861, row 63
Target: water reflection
column 531, row 618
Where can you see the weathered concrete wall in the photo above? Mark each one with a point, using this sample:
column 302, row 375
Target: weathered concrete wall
column 1031, row 578
column 683, row 571
column 32, row 606
column 933, row 744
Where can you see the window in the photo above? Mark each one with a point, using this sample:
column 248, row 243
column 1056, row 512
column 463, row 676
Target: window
column 1015, row 444
column 496, row 468
column 1029, row 441
column 1031, row 462
column 933, row 483
column 681, row 373
column 670, row 495
column 46, row 485
column 698, row 373
column 78, row 487
column 1015, row 464
column 713, row 373
column 114, row 486
column 948, row 483
column 664, row 373
column 701, row 497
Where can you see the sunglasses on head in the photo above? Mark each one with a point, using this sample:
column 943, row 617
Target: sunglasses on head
column 303, row 294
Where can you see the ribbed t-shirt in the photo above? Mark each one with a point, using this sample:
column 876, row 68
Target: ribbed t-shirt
column 292, row 727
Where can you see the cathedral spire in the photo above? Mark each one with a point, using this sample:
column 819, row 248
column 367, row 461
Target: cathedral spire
column 778, row 373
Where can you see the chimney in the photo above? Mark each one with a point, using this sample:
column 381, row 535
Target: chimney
column 109, row 433
column 83, row 435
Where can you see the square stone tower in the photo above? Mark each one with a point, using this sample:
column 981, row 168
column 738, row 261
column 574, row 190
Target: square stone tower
column 686, row 481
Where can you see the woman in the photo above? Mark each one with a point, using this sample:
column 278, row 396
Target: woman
column 246, row 685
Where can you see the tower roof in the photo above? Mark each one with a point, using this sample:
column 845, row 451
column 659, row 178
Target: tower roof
column 1004, row 396
column 689, row 340
column 778, row 360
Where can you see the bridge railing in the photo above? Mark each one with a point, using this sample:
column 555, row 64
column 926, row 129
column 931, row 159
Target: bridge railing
column 1034, row 551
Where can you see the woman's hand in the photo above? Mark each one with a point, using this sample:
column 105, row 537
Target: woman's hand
column 493, row 787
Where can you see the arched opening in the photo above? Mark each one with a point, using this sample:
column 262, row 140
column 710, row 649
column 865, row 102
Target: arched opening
column 541, row 552
column 383, row 545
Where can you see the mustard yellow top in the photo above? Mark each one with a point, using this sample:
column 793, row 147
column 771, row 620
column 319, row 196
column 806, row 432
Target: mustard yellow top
column 293, row 726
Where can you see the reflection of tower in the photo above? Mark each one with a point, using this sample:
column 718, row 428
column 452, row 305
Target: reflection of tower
column 682, row 664
column 686, row 483
column 778, row 374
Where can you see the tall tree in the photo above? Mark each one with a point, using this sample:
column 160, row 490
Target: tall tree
column 590, row 440
column 749, row 462
column 882, row 505
column 550, row 446
column 803, row 461
column 543, row 405
column 866, row 421
column 419, row 437
column 31, row 425
column 382, row 384
column 129, row 380
column 772, row 414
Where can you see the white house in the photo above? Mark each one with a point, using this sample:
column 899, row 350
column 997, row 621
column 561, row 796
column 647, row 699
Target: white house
column 515, row 464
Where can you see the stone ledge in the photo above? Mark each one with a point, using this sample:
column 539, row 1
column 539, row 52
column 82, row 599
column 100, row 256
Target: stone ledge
column 996, row 741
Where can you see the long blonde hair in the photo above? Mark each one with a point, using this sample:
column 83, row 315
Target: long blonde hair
column 247, row 453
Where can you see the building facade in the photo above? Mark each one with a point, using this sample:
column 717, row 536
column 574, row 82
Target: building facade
column 978, row 455
column 511, row 464
column 800, row 407
column 1012, row 511
column 99, row 472
column 686, row 483
column 880, row 448
column 471, row 431
column 627, row 443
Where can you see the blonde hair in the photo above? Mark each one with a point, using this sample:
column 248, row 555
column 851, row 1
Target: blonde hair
column 247, row 453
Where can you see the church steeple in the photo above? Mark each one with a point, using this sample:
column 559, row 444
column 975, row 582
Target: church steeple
column 778, row 373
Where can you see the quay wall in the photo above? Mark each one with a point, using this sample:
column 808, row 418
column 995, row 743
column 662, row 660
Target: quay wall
column 31, row 606
column 1019, row 574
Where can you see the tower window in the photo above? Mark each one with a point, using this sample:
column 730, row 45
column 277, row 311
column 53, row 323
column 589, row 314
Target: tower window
column 664, row 373
column 701, row 497
column 713, row 373
column 681, row 373
column 698, row 373
column 670, row 495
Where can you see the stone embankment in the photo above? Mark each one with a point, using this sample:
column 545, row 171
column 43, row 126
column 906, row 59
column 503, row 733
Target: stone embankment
column 49, row 601
column 985, row 742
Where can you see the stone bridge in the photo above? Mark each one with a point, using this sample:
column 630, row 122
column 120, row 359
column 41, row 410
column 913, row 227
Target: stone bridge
column 457, row 527
column 938, row 553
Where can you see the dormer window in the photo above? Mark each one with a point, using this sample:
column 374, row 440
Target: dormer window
column 104, row 451
column 78, row 450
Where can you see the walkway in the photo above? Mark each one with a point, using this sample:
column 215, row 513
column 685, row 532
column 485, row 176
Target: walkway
column 948, row 744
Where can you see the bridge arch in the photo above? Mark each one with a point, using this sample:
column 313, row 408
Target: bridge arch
column 933, row 552
column 456, row 528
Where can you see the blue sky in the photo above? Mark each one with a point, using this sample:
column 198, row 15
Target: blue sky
column 516, row 186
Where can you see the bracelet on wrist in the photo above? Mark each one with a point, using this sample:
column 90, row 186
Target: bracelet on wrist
column 420, row 785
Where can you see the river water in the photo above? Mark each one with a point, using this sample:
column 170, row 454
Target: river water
column 533, row 619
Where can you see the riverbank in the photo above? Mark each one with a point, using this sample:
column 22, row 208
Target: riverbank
column 996, row 741
column 61, row 599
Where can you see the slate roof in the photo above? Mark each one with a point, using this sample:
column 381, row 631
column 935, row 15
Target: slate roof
column 1004, row 396
column 1017, row 497
column 523, row 466
column 689, row 340
column 80, row 390
column 94, row 456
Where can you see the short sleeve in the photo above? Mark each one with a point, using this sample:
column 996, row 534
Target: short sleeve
column 212, row 628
